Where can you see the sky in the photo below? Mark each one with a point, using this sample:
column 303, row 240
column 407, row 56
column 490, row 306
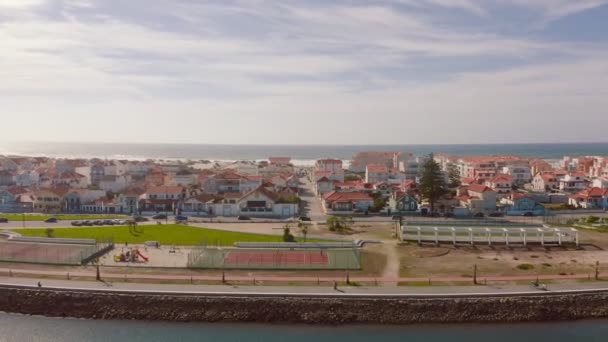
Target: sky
column 304, row 72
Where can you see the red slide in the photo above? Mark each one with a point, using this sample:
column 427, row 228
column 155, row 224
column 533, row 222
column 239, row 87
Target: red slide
column 141, row 255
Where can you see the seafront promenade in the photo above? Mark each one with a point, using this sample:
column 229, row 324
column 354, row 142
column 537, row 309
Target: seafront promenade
column 310, row 305
column 151, row 279
column 494, row 289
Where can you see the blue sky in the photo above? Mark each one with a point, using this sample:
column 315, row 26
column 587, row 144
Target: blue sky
column 304, row 72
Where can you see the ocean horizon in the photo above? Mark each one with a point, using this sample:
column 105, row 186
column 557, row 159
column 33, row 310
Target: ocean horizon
column 301, row 154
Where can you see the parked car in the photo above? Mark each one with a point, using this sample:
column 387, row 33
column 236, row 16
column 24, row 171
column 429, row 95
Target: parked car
column 243, row 218
column 121, row 222
column 529, row 214
column 305, row 218
column 87, row 223
column 76, row 223
column 108, row 222
column 141, row 219
column 51, row 220
column 396, row 218
column 160, row 217
column 479, row 215
column 98, row 223
column 3, row 220
column 181, row 218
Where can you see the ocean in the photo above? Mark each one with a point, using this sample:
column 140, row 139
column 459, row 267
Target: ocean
column 301, row 154
column 33, row 329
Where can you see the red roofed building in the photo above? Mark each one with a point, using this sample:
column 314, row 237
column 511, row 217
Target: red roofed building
column 379, row 173
column 362, row 159
column 477, row 198
column 501, row 184
column 347, row 201
column 590, row 198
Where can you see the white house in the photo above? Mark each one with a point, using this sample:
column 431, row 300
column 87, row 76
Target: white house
column 521, row 172
column 590, row 198
column 379, row 173
column 347, row 202
column 329, row 165
column 547, row 181
column 477, row 198
column 323, row 186
column 115, row 183
column 27, row 178
column 501, row 184
column 573, row 182
column 601, row 183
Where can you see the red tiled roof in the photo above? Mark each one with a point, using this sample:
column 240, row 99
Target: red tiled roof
column 335, row 196
column 17, row 190
column 376, row 168
column 270, row 194
column 501, row 178
column 590, row 193
column 479, row 188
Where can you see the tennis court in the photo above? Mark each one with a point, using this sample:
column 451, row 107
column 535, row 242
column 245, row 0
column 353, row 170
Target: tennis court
column 49, row 253
column 248, row 258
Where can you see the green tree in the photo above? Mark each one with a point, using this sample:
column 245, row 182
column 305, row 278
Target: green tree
column 453, row 175
column 379, row 203
column 287, row 236
column 49, row 232
column 351, row 178
column 304, row 229
column 339, row 224
column 432, row 184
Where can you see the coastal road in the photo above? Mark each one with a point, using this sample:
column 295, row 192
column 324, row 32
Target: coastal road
column 488, row 290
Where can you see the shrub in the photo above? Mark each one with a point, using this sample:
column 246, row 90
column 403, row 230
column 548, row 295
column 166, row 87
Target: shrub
column 592, row 219
column 525, row 267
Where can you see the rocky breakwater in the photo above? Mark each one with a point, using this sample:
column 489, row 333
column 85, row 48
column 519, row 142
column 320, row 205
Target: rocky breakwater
column 296, row 309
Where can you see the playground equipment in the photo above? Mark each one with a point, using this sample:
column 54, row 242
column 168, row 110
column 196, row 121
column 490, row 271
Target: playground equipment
column 131, row 255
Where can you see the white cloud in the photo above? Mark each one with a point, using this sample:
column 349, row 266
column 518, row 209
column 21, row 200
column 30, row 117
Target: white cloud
column 248, row 65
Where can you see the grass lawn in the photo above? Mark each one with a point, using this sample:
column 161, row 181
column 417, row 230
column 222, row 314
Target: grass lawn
column 39, row 217
column 166, row 234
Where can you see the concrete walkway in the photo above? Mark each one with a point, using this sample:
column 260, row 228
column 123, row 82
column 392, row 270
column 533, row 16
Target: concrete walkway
column 306, row 290
column 164, row 277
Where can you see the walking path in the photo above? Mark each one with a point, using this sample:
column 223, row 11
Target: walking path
column 391, row 271
column 453, row 291
column 164, row 277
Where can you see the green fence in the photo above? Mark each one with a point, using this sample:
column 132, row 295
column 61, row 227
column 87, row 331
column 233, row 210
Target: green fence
column 275, row 259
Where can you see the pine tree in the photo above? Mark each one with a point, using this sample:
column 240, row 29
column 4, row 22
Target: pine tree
column 432, row 183
column 453, row 175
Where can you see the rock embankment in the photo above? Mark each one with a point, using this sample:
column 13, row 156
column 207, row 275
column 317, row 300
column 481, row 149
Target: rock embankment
column 294, row 309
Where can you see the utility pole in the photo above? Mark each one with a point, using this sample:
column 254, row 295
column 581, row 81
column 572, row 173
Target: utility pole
column 475, row 274
column 97, row 274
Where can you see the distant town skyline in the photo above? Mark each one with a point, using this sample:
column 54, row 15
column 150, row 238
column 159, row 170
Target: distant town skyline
column 307, row 73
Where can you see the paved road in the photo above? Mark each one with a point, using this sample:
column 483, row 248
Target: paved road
column 307, row 290
column 312, row 203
